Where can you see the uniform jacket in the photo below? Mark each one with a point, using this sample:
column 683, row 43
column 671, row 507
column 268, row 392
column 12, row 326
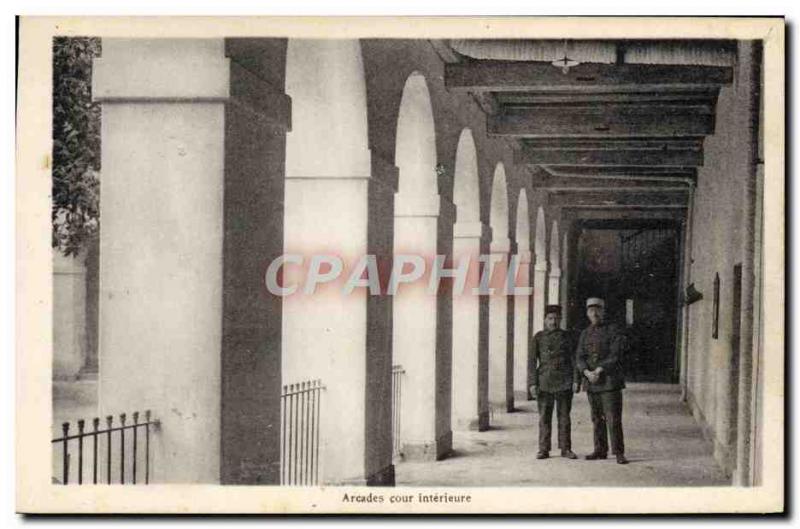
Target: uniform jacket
column 551, row 362
column 602, row 346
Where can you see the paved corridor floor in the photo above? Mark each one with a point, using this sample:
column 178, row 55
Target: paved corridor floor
column 664, row 444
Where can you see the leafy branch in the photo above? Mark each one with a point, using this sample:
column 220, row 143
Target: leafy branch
column 76, row 145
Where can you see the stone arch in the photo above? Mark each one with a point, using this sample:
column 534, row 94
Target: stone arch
column 523, row 228
column 329, row 198
column 325, row 79
column 470, row 372
column 466, row 184
column 415, row 147
column 554, row 261
column 539, row 271
column 501, row 392
column 422, row 335
column 554, row 257
column 498, row 214
column 521, row 303
column 540, row 241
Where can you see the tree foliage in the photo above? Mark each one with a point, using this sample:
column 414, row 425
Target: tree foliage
column 76, row 144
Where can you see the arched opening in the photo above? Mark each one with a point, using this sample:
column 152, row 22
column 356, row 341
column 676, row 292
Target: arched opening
column 421, row 340
column 554, row 285
column 539, row 271
column 498, row 215
column 521, row 305
column 470, row 355
column 466, row 186
column 566, row 277
column 415, row 150
column 325, row 80
column 523, row 233
column 330, row 198
column 500, row 348
column 540, row 243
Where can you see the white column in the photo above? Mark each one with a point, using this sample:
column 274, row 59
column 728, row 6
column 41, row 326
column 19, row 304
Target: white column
column 69, row 315
column 338, row 200
column 565, row 277
column 521, row 338
column 425, row 418
column 539, row 293
column 554, row 286
column 470, row 352
column 161, row 244
column 499, row 358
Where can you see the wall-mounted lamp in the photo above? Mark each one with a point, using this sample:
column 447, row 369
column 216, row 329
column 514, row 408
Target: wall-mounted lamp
column 692, row 295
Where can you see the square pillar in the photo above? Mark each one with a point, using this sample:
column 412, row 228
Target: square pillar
column 539, row 293
column 70, row 341
column 521, row 316
column 564, row 278
column 554, row 286
column 161, row 244
column 501, row 324
column 257, row 117
column 342, row 339
column 422, row 327
column 338, row 201
column 470, row 334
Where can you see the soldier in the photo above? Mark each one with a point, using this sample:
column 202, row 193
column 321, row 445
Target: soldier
column 552, row 378
column 599, row 352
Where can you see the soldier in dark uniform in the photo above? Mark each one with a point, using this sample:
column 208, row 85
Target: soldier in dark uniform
column 552, row 378
column 600, row 348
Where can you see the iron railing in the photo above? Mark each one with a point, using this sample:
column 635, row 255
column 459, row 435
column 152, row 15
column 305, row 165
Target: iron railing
column 98, row 437
column 397, row 397
column 300, row 433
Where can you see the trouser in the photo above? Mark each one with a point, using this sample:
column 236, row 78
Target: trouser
column 607, row 421
column 545, row 402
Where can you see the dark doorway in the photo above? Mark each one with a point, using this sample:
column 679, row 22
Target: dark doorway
column 634, row 267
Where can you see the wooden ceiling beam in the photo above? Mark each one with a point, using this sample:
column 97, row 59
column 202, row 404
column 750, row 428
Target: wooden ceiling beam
column 686, row 174
column 706, row 96
column 499, row 76
column 609, row 198
column 688, row 142
column 624, row 213
column 563, row 189
column 626, row 207
column 599, row 122
column 566, row 183
column 683, row 153
column 623, row 223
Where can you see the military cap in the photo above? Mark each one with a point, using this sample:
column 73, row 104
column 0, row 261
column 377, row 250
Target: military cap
column 552, row 308
column 595, row 302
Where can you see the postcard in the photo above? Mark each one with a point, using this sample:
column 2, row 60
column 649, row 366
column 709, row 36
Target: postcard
column 408, row 265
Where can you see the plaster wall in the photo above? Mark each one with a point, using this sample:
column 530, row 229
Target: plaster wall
column 719, row 227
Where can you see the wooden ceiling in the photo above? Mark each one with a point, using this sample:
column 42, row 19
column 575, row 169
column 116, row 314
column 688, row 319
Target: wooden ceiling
column 598, row 136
